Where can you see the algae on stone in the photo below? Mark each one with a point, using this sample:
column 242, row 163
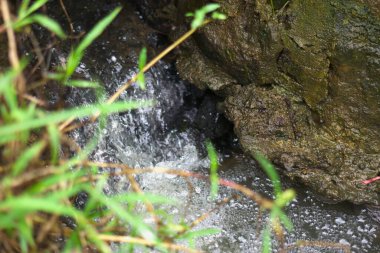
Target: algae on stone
column 302, row 85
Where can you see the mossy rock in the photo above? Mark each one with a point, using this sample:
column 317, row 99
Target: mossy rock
column 302, row 85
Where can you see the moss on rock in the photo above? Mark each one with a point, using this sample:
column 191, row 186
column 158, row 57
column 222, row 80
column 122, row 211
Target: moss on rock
column 302, row 85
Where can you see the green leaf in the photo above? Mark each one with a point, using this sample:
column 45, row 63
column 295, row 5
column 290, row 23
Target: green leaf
column 77, row 54
column 277, row 212
column 56, row 117
column 73, row 243
column 28, row 155
column 266, row 248
column 214, row 179
column 218, row 16
column 198, row 20
column 23, row 7
column 209, row 8
column 83, row 84
column 142, row 63
column 31, row 204
column 97, row 30
column 73, row 61
column 271, row 173
column 42, row 20
column 26, row 234
column 54, row 142
column 200, row 15
column 60, row 176
column 136, row 222
column 285, row 198
column 35, row 6
column 49, row 24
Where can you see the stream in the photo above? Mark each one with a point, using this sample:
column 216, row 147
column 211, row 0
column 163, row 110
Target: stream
column 172, row 135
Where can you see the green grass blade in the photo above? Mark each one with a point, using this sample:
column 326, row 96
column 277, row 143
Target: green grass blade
column 23, row 8
column 56, row 117
column 284, row 198
column 97, row 30
column 55, row 145
column 214, row 179
column 49, row 24
column 73, row 61
column 76, row 55
column 142, row 63
column 218, row 16
column 198, row 19
column 136, row 222
column 26, row 235
column 83, row 84
column 200, row 14
column 271, row 173
column 22, row 162
column 283, row 218
column 31, row 204
column 266, row 243
column 210, row 8
column 35, row 6
column 61, row 176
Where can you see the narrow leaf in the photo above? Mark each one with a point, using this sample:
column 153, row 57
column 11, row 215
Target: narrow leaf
column 136, row 222
column 31, row 204
column 210, row 8
column 270, row 171
column 56, row 117
column 22, row 162
column 23, row 7
column 83, row 84
column 266, row 248
column 214, row 179
column 54, row 142
column 97, row 30
column 49, row 24
column 76, row 55
column 35, row 6
column 142, row 63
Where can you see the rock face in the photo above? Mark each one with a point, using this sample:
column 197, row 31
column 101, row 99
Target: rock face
column 301, row 83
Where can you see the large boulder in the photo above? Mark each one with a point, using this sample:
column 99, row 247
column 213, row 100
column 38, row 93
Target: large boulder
column 301, row 83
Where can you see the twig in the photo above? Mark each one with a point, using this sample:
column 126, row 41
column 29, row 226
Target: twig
column 38, row 51
column 34, row 100
column 46, row 228
column 12, row 44
column 148, row 205
column 134, row 240
column 190, row 189
column 260, row 200
column 218, row 206
column 67, row 16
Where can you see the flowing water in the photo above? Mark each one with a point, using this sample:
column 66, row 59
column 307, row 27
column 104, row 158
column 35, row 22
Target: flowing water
column 170, row 135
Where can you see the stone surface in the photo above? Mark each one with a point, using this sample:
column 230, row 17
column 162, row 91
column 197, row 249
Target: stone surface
column 301, row 84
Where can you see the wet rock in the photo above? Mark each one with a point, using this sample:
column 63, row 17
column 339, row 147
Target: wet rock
column 302, row 85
